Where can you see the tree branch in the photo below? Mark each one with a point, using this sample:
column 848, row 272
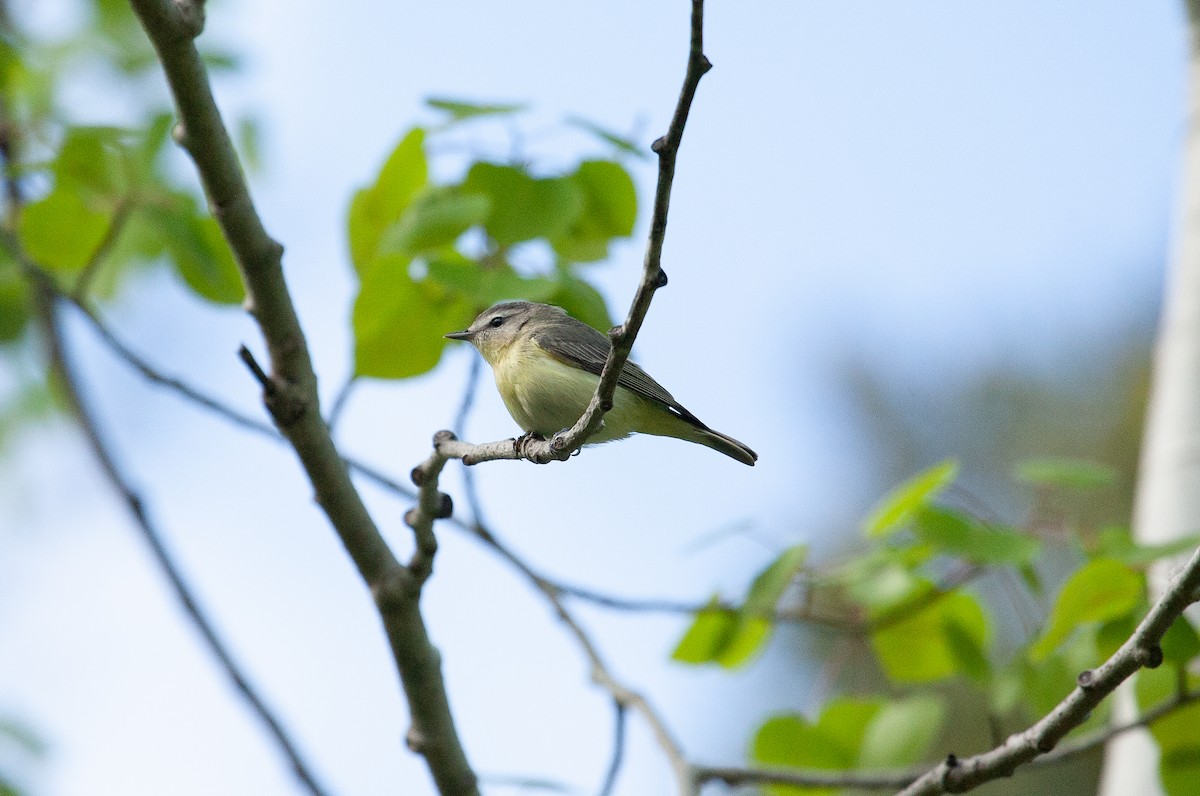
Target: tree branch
column 1140, row 649
column 291, row 396
column 562, row 445
column 60, row 366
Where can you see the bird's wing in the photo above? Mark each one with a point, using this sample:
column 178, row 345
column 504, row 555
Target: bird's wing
column 588, row 349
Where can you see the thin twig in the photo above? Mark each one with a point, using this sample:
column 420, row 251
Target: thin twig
column 292, row 397
column 111, row 235
column 562, row 445
column 61, row 366
column 340, row 401
column 618, row 753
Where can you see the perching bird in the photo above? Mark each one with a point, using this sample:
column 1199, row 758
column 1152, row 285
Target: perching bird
column 547, row 366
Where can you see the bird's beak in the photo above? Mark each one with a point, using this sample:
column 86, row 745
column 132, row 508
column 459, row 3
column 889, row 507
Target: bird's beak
column 464, row 335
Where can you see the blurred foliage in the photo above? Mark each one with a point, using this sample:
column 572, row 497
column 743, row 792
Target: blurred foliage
column 944, row 600
column 913, row 592
column 432, row 254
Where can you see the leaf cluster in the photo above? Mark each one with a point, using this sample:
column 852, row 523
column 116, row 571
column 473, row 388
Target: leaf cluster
column 430, row 254
column 914, row 593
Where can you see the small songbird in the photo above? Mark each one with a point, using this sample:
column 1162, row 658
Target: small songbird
column 547, row 366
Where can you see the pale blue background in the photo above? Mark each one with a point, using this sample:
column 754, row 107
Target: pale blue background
column 923, row 185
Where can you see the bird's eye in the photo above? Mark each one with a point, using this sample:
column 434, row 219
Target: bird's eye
column 496, row 322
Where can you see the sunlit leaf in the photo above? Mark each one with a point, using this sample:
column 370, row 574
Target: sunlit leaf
column 609, row 211
column 377, row 207
column 433, row 220
column 792, row 741
column 61, row 232
column 918, row 649
column 483, row 285
column 1118, row 542
column 707, row 635
column 899, row 505
column 399, row 323
column 524, row 207
column 1102, row 590
column 460, row 110
column 959, row 535
column 902, row 732
column 90, row 161
column 1073, row 473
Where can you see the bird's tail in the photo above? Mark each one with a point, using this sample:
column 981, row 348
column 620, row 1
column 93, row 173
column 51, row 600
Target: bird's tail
column 726, row 445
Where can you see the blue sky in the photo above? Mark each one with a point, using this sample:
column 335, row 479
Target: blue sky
column 930, row 185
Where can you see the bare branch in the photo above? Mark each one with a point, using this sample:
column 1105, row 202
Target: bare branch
column 618, row 753
column 292, row 397
column 61, row 366
column 562, row 445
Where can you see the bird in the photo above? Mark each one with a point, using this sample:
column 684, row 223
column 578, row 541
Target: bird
column 547, row 365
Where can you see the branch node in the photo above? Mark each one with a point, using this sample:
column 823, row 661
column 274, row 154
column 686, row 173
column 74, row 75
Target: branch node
column 660, row 279
column 443, row 436
column 415, row 741
column 410, row 518
column 704, row 64
column 445, row 506
column 1151, row 657
column 417, row 476
column 256, row 370
column 1086, row 679
column 659, row 146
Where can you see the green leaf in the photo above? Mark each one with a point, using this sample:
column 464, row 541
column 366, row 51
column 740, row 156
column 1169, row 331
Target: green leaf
column 844, row 720
column 792, row 741
column 435, row 219
column 620, row 142
column 460, row 110
column 1180, row 644
column 968, row 653
column 581, row 301
column 902, row 732
column 918, row 649
column 484, row 286
column 14, row 307
column 755, row 619
column 90, row 161
column 708, row 634
column 399, row 323
column 61, row 232
column 965, row 537
column 374, row 209
column 880, row 589
column 609, row 211
column 1102, row 590
column 899, row 505
column 1117, row 542
column 1175, row 733
column 732, row 640
column 1072, row 473
column 524, row 207
column 202, row 257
